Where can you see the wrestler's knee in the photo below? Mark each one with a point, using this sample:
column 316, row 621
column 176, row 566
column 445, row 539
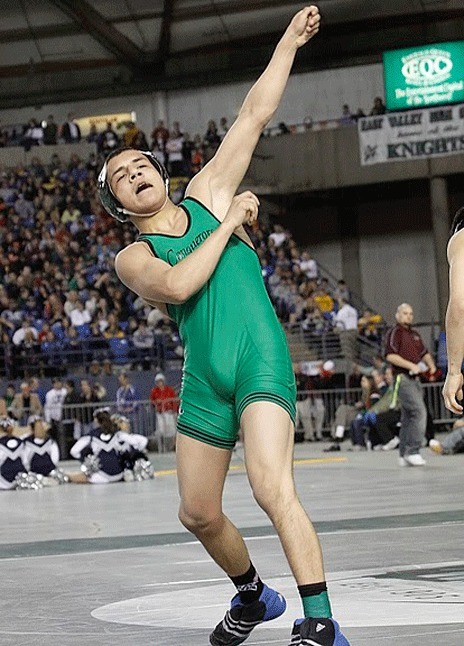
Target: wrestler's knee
column 273, row 493
column 201, row 519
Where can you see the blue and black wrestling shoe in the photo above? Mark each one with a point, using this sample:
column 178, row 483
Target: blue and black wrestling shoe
column 242, row 618
column 317, row 632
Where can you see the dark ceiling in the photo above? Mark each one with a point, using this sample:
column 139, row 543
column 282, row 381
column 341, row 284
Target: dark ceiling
column 58, row 50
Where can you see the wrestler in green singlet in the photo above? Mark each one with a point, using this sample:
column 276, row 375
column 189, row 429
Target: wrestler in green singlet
column 235, row 349
column 195, row 263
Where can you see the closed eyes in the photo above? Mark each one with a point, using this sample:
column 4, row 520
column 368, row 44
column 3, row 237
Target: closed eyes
column 123, row 174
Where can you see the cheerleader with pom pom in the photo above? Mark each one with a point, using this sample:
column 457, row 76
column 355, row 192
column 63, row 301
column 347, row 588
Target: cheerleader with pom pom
column 99, row 452
column 135, row 461
column 41, row 452
column 12, row 466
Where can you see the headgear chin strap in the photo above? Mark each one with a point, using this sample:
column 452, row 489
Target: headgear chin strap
column 112, row 205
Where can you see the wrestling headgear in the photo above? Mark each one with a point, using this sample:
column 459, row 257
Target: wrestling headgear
column 112, row 205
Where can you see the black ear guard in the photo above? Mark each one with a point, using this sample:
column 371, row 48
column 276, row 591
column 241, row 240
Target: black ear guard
column 110, row 202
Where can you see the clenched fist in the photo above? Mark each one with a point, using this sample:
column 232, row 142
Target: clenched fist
column 243, row 209
column 304, row 25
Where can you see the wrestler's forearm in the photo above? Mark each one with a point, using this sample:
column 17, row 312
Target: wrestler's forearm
column 264, row 97
column 196, row 269
column 455, row 336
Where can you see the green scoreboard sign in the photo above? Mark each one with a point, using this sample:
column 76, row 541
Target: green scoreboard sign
column 419, row 77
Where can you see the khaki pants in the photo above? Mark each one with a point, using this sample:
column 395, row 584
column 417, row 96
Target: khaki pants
column 166, row 431
column 311, row 413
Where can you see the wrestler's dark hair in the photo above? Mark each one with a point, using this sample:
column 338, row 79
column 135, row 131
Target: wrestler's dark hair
column 458, row 221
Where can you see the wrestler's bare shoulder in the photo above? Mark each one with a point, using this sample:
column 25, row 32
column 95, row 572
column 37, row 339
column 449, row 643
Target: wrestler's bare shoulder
column 456, row 245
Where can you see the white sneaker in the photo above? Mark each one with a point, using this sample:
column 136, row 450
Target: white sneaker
column 415, row 460
column 392, row 444
column 402, row 462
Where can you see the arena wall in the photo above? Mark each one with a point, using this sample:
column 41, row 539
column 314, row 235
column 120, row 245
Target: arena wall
column 318, row 94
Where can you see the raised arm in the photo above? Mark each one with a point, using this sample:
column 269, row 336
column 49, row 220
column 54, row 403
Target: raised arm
column 156, row 281
column 452, row 390
column 217, row 183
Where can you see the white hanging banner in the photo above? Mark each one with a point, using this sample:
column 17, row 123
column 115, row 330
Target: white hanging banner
column 417, row 134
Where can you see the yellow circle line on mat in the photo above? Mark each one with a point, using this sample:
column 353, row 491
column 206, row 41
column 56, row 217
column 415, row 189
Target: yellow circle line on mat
column 241, row 467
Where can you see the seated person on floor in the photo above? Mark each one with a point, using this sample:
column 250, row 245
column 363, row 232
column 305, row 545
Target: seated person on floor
column 11, row 455
column 383, row 418
column 346, row 414
column 99, row 452
column 453, row 442
column 135, row 461
column 41, row 452
column 369, row 384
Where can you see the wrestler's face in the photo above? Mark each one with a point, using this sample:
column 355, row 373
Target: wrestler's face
column 136, row 183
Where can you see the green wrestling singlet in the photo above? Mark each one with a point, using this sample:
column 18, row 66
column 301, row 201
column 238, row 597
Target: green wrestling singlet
column 236, row 352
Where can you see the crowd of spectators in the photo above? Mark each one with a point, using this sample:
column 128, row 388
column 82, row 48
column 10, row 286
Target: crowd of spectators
column 61, row 303
column 349, row 118
column 305, row 298
column 183, row 153
column 58, row 286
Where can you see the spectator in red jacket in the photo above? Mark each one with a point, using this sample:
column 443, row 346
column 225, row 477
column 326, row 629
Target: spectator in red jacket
column 165, row 401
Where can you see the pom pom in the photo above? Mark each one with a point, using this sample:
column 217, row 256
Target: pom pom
column 143, row 470
column 59, row 475
column 90, row 465
column 29, row 481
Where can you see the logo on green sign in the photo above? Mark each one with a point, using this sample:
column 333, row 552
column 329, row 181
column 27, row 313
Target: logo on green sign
column 420, row 77
column 428, row 67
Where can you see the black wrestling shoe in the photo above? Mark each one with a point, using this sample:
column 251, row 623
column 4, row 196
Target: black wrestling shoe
column 242, row 618
column 317, row 632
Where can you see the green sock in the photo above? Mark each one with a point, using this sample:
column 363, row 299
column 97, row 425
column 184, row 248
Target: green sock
column 315, row 600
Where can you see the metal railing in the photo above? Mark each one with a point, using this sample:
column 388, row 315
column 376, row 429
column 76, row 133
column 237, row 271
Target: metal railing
column 321, row 345
column 77, row 419
column 37, row 360
column 330, row 400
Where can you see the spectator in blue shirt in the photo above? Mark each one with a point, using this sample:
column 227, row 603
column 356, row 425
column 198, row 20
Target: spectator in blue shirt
column 126, row 396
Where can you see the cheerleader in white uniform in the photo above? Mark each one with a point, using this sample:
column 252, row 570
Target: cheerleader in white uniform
column 136, row 463
column 41, row 452
column 99, row 452
column 12, row 462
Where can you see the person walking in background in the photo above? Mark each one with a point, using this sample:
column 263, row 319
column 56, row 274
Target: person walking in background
column 405, row 350
column 87, row 401
column 50, row 132
column 71, row 412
